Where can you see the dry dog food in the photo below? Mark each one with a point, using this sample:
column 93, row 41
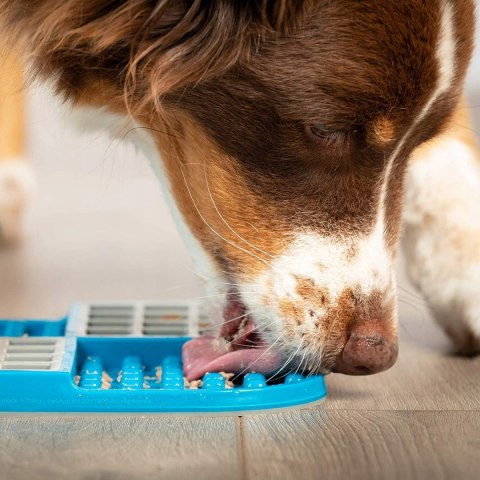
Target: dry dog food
column 106, row 381
column 152, row 380
column 227, row 377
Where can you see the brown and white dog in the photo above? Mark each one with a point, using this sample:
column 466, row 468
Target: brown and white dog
column 283, row 131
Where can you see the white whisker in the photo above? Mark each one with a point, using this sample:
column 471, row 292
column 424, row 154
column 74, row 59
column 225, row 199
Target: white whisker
column 285, row 364
column 215, row 232
column 223, row 219
column 303, row 358
column 253, row 363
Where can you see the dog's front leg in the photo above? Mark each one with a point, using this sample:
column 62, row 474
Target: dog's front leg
column 15, row 173
column 442, row 229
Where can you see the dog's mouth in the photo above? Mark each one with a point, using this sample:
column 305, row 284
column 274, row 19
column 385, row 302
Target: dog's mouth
column 239, row 347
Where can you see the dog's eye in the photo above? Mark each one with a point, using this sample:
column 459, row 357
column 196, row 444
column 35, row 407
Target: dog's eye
column 327, row 136
column 320, row 130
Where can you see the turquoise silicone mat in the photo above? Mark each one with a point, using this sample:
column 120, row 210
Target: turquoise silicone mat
column 127, row 358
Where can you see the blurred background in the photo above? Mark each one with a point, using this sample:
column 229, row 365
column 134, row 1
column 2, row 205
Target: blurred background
column 99, row 229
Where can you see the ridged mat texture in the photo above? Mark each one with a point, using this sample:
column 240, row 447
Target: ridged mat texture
column 127, row 358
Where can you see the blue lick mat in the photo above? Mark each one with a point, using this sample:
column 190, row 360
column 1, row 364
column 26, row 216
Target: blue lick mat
column 127, row 358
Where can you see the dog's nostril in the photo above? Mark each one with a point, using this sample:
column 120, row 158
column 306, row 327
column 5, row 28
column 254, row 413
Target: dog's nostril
column 364, row 355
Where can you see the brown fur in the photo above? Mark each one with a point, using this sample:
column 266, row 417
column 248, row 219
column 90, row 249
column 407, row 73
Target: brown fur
column 277, row 114
column 349, row 313
column 239, row 71
column 149, row 47
column 382, row 132
column 312, row 294
column 196, row 168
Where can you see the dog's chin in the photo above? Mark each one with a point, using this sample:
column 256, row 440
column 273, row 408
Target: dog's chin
column 237, row 347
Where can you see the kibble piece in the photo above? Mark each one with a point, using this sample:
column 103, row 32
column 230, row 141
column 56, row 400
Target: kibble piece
column 193, row 385
column 196, row 384
column 228, row 377
column 106, row 381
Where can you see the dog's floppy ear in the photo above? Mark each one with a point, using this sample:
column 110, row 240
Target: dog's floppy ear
column 147, row 48
column 184, row 42
column 283, row 16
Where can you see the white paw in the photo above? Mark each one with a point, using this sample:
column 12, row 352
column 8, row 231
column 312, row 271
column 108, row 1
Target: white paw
column 456, row 306
column 442, row 238
column 16, row 186
column 447, row 272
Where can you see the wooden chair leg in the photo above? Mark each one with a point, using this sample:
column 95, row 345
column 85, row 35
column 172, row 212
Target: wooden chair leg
column 12, row 121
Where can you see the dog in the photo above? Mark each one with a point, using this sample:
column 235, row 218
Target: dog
column 292, row 138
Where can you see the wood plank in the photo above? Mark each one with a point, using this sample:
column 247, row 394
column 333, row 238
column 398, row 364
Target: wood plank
column 369, row 445
column 120, row 447
column 426, row 376
column 422, row 379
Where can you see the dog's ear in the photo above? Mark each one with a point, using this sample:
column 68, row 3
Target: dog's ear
column 282, row 16
column 147, row 48
column 184, row 42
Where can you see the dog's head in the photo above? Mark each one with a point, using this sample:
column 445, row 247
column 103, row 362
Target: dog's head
column 285, row 129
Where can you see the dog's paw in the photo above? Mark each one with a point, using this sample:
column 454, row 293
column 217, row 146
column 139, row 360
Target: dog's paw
column 446, row 269
column 16, row 185
column 448, row 274
column 442, row 236
column 465, row 339
column 460, row 320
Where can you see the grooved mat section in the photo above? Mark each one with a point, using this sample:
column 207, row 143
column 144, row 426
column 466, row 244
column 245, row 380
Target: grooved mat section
column 180, row 319
column 27, row 353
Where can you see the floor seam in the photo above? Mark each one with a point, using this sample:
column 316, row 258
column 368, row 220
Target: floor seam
column 241, row 448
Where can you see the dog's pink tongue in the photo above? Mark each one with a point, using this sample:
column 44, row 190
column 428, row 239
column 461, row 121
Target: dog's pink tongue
column 230, row 352
column 213, row 354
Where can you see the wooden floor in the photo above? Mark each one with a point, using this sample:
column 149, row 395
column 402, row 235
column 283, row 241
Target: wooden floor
column 95, row 233
column 419, row 420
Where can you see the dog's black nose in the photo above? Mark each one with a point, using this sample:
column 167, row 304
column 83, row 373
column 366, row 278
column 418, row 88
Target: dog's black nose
column 366, row 354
